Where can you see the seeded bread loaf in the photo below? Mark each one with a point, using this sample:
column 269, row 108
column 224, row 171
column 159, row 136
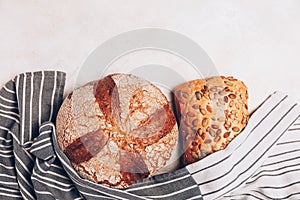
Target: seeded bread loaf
column 211, row 112
column 117, row 130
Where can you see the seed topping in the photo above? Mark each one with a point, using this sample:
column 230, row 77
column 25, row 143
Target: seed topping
column 198, row 95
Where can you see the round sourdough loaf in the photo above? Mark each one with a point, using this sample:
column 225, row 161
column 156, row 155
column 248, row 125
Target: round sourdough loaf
column 211, row 112
column 117, row 130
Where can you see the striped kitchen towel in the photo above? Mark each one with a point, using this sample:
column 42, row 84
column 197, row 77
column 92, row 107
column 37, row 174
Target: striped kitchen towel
column 260, row 163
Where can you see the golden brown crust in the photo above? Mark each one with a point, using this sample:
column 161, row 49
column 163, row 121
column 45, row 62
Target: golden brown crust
column 211, row 113
column 86, row 147
column 117, row 130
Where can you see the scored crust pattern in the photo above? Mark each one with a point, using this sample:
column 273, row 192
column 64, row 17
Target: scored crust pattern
column 211, row 112
column 117, row 130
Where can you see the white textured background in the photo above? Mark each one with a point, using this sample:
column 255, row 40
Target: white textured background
column 256, row 41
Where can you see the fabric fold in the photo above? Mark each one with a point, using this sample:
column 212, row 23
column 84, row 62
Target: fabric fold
column 42, row 147
column 225, row 171
column 26, row 102
column 49, row 179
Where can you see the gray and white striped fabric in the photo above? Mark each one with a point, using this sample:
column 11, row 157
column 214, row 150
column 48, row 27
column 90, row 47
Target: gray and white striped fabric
column 261, row 163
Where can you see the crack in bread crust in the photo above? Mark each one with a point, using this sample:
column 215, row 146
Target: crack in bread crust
column 86, row 147
column 107, row 97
